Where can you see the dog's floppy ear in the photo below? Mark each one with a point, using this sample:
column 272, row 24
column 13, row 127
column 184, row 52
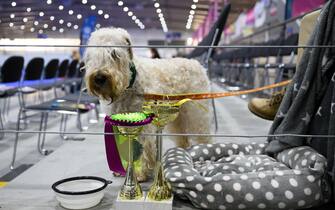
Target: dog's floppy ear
column 126, row 38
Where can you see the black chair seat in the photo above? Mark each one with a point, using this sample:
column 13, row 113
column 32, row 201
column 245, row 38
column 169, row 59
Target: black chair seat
column 61, row 105
column 71, row 81
column 85, row 98
column 8, row 92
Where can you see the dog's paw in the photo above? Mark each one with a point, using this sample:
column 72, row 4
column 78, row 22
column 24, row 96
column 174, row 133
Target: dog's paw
column 183, row 143
column 142, row 178
column 117, row 174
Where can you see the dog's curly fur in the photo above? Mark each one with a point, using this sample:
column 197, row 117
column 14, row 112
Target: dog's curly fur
column 165, row 76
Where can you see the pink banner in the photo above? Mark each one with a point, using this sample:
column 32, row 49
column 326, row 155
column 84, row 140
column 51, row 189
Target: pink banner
column 210, row 19
column 302, row 6
column 250, row 17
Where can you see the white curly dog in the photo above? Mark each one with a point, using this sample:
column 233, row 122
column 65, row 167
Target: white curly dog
column 110, row 76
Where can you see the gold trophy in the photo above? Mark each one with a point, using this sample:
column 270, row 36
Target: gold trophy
column 164, row 112
column 130, row 125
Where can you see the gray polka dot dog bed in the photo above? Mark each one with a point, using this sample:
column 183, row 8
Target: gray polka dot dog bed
column 241, row 176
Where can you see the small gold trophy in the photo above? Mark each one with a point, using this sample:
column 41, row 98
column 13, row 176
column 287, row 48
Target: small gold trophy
column 164, row 112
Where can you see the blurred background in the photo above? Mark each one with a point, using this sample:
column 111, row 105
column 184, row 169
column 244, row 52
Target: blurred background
column 40, row 86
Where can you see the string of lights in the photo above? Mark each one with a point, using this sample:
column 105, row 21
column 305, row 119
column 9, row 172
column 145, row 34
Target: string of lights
column 160, row 16
column 191, row 14
column 131, row 14
column 38, row 19
column 37, row 22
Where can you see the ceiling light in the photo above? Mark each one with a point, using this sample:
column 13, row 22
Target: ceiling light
column 12, row 16
column 32, row 29
column 40, row 31
column 84, row 1
column 13, row 4
column 61, row 30
column 52, row 18
column 98, row 25
column 100, row 12
column 106, row 16
column 125, row 9
column 54, row 28
column 45, row 26
column 69, row 24
column 130, row 13
column 137, row 21
column 11, row 25
column 79, row 16
column 194, row 6
column 75, row 27
column 36, row 23
column 120, row 3
column 28, row 9
column 60, row 7
column 158, row 10
column 49, row 1
column 70, row 12
column 195, row 1
column 192, row 12
column 93, row 7
column 25, row 19
column 134, row 17
column 41, row 14
column 61, row 21
column 156, row 5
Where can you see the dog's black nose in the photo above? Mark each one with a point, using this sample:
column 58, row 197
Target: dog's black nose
column 100, row 79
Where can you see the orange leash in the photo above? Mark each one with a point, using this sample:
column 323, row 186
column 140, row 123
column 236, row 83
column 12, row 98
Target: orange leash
column 200, row 96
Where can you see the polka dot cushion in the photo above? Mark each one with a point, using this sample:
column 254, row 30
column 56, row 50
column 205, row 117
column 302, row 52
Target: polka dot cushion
column 241, row 176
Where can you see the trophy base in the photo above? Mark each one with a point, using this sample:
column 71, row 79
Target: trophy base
column 131, row 192
column 150, row 204
column 160, row 190
column 123, row 204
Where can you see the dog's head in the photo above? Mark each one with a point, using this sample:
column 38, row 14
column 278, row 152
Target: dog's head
column 107, row 68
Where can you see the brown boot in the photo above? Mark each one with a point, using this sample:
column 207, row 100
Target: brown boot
column 266, row 108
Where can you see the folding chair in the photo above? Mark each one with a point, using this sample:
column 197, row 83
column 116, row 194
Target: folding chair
column 11, row 72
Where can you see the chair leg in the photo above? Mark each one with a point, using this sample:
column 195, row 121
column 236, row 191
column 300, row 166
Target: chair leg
column 2, row 135
column 5, row 109
column 55, row 92
column 16, row 139
column 63, row 130
column 62, row 127
column 40, row 134
column 79, row 124
column 43, row 127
